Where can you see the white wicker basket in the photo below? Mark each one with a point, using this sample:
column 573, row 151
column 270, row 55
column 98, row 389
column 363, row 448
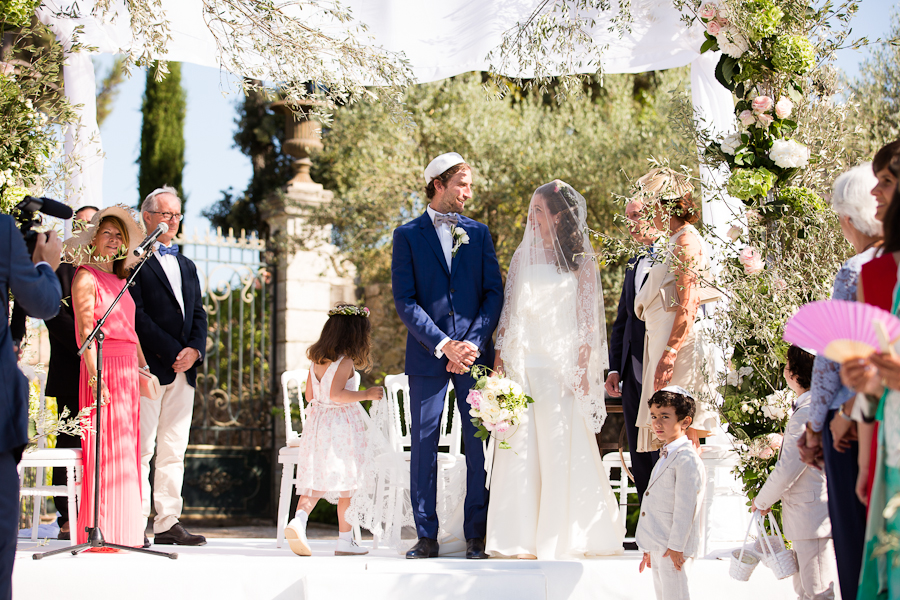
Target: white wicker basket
column 782, row 561
column 743, row 560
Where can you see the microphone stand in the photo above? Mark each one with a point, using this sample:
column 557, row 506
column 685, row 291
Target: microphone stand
column 95, row 536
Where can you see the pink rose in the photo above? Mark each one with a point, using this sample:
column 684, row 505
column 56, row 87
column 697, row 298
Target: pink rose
column 751, row 260
column 764, row 120
column 723, row 23
column 474, row 399
column 713, row 28
column 708, row 11
column 734, row 232
column 762, row 104
column 784, row 108
column 766, row 453
column 747, row 118
column 487, row 425
column 501, row 427
column 775, row 440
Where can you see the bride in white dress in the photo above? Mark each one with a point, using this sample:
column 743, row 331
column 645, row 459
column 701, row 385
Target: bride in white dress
column 550, row 496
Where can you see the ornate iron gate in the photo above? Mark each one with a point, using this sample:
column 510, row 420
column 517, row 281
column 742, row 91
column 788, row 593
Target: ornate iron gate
column 229, row 461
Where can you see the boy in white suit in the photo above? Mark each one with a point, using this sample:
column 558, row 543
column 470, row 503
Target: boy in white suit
column 668, row 529
column 803, row 494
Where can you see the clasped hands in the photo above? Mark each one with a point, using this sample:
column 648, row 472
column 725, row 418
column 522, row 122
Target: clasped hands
column 461, row 356
column 186, row 359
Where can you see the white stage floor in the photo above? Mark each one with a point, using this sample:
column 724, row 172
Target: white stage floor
column 238, row 569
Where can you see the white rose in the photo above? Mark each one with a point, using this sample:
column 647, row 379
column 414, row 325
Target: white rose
column 768, row 412
column 731, row 143
column 516, row 388
column 493, row 384
column 474, row 413
column 744, row 371
column 505, row 415
column 464, row 238
column 745, row 408
column 490, row 413
column 732, row 43
column 733, row 378
column 788, row 154
column 783, row 108
column 734, row 233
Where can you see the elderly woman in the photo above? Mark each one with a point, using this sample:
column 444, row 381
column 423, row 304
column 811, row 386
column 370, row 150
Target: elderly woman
column 103, row 252
column 668, row 303
column 879, row 377
column 860, row 223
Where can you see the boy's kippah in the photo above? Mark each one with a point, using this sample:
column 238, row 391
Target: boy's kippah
column 677, row 389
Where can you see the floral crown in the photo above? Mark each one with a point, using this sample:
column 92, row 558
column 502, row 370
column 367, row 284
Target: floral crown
column 349, row 310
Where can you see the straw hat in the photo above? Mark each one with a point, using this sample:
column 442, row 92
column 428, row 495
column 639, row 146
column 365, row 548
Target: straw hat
column 76, row 249
column 663, row 183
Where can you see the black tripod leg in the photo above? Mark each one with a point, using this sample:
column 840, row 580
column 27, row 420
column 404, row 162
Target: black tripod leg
column 72, row 549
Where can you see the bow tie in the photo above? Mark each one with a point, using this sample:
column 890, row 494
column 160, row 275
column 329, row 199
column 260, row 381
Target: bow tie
column 450, row 219
column 664, row 451
column 171, row 250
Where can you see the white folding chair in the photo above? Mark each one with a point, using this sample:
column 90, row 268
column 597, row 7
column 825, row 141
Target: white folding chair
column 397, row 396
column 622, row 486
column 42, row 458
column 288, row 456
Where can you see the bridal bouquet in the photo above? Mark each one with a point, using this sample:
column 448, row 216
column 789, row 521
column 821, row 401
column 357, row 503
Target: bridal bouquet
column 497, row 404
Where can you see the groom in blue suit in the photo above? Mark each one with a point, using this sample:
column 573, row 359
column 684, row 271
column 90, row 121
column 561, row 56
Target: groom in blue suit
column 449, row 293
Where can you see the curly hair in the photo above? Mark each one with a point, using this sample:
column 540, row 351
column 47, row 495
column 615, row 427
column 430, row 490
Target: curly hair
column 562, row 203
column 444, row 178
column 344, row 335
column 800, row 364
column 683, row 405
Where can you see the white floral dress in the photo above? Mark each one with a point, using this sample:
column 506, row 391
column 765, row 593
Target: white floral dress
column 332, row 443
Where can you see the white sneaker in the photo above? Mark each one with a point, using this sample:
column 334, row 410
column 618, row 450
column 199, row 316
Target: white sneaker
column 295, row 534
column 350, row 548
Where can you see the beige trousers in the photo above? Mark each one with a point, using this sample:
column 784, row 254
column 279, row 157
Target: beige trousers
column 165, row 428
column 817, row 575
column 669, row 583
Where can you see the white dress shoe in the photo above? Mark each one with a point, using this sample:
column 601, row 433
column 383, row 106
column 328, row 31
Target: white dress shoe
column 295, row 534
column 350, row 548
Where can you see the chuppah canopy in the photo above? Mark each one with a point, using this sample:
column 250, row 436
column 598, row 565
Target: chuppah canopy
column 438, row 39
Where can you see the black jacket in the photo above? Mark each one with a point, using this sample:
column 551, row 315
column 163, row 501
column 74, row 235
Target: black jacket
column 628, row 331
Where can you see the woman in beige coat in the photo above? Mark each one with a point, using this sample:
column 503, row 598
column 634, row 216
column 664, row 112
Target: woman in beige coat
column 668, row 303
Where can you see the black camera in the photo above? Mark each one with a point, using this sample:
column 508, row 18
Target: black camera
column 28, row 217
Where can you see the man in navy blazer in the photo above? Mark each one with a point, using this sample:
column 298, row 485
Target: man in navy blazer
column 449, row 293
column 34, row 284
column 626, row 346
column 171, row 324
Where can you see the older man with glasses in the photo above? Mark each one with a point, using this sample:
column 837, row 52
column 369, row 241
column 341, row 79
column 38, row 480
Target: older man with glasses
column 171, row 323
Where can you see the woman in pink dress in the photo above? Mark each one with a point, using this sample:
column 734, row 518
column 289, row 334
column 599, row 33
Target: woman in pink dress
column 104, row 252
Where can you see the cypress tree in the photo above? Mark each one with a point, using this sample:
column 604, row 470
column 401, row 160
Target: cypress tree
column 162, row 133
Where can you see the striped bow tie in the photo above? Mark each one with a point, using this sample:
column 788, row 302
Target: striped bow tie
column 163, row 250
column 664, row 451
column 450, row 219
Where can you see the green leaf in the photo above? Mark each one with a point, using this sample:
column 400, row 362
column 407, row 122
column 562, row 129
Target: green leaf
column 709, row 44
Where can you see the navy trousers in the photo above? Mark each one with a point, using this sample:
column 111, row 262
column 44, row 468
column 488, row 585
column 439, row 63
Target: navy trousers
column 641, row 462
column 9, row 520
column 426, row 404
column 847, row 513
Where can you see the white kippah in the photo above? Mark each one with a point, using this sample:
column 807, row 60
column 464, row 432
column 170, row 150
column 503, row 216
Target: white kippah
column 677, row 389
column 441, row 164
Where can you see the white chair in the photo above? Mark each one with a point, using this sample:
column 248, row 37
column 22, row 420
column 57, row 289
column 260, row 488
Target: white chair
column 47, row 458
column 622, row 486
column 288, row 455
column 397, row 396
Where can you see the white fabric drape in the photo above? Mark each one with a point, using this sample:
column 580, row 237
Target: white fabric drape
column 440, row 39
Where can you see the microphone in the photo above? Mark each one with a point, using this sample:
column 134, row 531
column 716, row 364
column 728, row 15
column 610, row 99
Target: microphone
column 45, row 205
column 148, row 241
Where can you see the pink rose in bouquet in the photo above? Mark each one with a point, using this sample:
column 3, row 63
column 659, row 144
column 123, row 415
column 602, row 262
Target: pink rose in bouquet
column 747, row 118
column 762, row 104
column 501, row 427
column 713, row 28
column 751, row 260
column 764, row 120
column 775, row 440
column 708, row 11
column 783, row 108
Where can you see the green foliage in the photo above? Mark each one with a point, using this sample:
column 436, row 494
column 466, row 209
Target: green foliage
column 161, row 161
column 17, row 13
column 109, row 89
column 750, row 183
column 793, row 54
column 761, row 18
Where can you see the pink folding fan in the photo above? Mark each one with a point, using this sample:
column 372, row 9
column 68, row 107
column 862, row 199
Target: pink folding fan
column 842, row 330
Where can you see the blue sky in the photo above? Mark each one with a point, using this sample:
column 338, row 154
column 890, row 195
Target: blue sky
column 214, row 164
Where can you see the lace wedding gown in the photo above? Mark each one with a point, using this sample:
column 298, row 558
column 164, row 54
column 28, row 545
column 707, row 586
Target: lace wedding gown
column 550, row 495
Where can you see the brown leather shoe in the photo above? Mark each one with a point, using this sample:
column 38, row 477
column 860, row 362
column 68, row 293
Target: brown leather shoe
column 178, row 536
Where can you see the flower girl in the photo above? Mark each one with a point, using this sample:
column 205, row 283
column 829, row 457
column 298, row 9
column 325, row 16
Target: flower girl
column 333, row 443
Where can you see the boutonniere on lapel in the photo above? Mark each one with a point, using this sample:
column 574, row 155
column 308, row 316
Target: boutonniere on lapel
column 460, row 237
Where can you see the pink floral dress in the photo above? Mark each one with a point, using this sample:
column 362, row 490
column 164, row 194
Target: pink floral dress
column 332, row 443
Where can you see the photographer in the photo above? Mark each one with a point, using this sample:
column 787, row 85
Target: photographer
column 34, row 285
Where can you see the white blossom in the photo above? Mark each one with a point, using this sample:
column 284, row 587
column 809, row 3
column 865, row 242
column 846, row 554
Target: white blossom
column 731, row 143
column 789, row 154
